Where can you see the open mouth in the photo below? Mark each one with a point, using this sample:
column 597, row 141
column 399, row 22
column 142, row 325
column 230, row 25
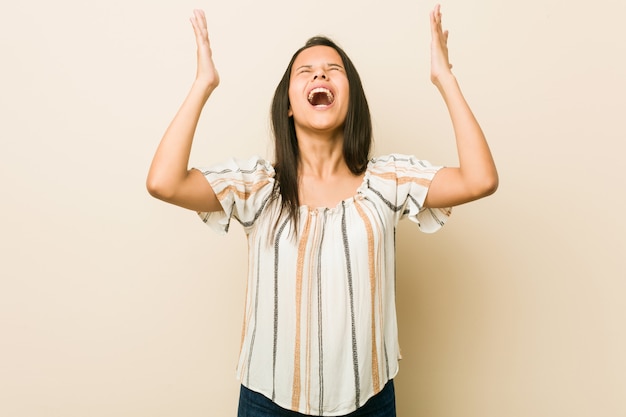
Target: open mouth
column 321, row 97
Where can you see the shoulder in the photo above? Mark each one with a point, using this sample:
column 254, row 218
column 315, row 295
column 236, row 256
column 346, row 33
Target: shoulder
column 389, row 160
column 251, row 165
column 398, row 162
column 401, row 170
column 240, row 177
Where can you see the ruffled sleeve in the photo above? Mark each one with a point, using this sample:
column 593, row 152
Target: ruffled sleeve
column 403, row 182
column 243, row 188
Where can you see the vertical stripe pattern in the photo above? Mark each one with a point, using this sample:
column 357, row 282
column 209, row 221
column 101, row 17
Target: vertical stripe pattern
column 374, row 306
column 355, row 356
column 320, row 316
column 296, row 392
column 275, row 346
column 319, row 333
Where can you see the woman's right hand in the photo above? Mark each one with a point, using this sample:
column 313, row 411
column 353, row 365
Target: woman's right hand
column 169, row 177
column 206, row 73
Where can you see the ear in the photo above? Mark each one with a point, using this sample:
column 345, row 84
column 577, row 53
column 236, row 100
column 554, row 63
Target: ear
column 289, row 112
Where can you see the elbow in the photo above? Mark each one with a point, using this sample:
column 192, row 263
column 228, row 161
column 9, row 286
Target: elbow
column 157, row 188
column 153, row 188
column 488, row 186
column 481, row 187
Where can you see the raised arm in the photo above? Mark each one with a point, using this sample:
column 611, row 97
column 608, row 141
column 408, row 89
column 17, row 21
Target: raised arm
column 476, row 175
column 169, row 178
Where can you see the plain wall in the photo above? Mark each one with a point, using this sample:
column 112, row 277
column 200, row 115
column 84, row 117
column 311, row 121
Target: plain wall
column 114, row 303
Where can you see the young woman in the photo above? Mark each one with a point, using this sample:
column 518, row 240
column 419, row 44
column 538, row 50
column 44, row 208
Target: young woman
column 320, row 330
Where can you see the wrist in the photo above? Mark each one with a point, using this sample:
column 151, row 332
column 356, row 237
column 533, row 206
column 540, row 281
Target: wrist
column 444, row 77
column 445, row 81
column 203, row 87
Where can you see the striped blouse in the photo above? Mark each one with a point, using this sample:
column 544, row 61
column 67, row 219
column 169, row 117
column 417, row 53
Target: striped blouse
column 320, row 333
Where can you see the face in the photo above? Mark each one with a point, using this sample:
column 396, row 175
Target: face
column 318, row 91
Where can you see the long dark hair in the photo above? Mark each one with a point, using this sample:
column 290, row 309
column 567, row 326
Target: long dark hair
column 357, row 131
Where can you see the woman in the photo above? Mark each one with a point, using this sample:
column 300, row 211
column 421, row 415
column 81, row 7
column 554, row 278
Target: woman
column 320, row 330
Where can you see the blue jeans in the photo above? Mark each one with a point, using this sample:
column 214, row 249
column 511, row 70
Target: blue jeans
column 253, row 404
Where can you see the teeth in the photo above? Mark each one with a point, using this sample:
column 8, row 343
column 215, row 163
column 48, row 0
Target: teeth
column 326, row 91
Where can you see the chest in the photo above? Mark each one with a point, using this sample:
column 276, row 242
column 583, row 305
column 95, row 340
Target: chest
column 329, row 192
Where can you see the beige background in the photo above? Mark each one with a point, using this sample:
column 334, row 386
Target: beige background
column 113, row 303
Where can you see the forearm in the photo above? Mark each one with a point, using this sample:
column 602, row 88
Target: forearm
column 170, row 165
column 476, row 164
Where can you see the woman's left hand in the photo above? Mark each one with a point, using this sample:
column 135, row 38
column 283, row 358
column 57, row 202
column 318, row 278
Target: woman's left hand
column 439, row 62
column 476, row 176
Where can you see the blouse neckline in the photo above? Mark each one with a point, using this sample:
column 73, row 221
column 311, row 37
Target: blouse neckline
column 358, row 195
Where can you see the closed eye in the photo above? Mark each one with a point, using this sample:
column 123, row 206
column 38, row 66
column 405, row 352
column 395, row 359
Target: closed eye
column 303, row 69
column 335, row 67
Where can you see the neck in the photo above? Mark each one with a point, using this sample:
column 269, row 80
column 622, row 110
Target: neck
column 321, row 155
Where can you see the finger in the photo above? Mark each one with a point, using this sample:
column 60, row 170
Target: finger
column 202, row 17
column 435, row 28
column 437, row 13
column 198, row 21
column 435, row 23
column 195, row 23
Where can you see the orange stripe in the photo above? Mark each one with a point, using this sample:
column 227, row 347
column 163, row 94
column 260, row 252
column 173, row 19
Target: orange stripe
column 247, row 313
column 295, row 399
column 244, row 195
column 315, row 242
column 420, row 181
column 391, row 176
column 405, row 166
column 372, row 273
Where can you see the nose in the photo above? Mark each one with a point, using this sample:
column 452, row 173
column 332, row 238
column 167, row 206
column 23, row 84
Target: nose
column 320, row 74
